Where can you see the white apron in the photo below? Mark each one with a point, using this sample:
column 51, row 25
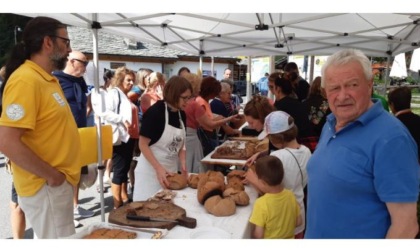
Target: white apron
column 166, row 151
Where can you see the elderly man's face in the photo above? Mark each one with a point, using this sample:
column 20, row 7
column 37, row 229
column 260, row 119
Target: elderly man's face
column 227, row 74
column 348, row 92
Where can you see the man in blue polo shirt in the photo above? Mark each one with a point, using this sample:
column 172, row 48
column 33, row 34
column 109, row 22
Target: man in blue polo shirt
column 262, row 85
column 363, row 178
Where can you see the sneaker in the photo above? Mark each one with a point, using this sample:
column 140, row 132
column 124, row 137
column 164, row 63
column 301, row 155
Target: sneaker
column 77, row 224
column 107, row 180
column 81, row 212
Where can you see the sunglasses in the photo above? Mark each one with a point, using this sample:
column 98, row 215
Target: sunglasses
column 67, row 41
column 85, row 63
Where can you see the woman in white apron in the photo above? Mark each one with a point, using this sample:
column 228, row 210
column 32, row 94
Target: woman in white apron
column 162, row 154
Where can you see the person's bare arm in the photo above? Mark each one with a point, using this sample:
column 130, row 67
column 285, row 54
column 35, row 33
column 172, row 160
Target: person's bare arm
column 257, row 232
column 17, row 151
column 403, row 220
column 205, row 121
column 161, row 173
column 182, row 159
column 229, row 130
column 89, row 107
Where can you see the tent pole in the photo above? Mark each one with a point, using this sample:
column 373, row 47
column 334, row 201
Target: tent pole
column 101, row 167
column 311, row 69
column 212, row 66
column 387, row 72
column 248, row 80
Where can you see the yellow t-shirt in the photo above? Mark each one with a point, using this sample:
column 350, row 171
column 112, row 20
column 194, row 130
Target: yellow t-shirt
column 33, row 99
column 277, row 214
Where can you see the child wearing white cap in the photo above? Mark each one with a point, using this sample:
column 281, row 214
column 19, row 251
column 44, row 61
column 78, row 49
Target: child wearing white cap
column 282, row 132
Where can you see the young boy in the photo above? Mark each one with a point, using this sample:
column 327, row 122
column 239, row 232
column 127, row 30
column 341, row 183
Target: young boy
column 282, row 133
column 276, row 214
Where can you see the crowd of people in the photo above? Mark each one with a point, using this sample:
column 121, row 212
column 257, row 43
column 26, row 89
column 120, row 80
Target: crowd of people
column 339, row 165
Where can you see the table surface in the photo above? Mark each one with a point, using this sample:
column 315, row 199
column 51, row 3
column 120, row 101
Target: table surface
column 236, row 225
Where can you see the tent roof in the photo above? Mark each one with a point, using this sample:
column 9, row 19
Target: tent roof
column 260, row 34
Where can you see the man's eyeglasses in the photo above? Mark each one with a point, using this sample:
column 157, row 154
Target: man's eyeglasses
column 185, row 98
column 85, row 63
column 67, row 41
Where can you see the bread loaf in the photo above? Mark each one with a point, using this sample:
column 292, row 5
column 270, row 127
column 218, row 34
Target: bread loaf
column 241, row 198
column 107, row 233
column 237, row 185
column 208, row 189
column 236, row 173
column 220, row 207
column 177, row 181
column 193, row 180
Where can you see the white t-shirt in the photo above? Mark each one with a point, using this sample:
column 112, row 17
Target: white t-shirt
column 295, row 179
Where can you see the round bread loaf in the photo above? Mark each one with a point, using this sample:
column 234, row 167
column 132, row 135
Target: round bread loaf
column 209, row 189
column 236, row 183
column 177, row 181
column 220, row 207
column 193, row 180
column 236, row 173
column 241, row 198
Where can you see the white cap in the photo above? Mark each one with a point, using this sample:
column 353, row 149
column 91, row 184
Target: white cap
column 276, row 122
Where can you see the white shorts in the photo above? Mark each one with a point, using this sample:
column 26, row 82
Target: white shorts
column 50, row 211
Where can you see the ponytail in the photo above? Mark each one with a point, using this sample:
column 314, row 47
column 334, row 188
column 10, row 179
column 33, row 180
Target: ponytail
column 32, row 40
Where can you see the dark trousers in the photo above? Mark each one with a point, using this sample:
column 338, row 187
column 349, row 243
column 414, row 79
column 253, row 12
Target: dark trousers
column 121, row 159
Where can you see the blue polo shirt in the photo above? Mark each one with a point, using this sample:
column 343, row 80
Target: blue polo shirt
column 355, row 171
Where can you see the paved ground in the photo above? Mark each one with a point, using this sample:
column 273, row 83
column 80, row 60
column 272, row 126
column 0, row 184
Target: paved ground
column 88, row 199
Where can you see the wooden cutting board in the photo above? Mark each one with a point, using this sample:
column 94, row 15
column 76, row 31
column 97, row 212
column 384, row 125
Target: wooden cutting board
column 153, row 209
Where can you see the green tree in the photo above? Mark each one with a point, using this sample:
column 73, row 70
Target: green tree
column 8, row 23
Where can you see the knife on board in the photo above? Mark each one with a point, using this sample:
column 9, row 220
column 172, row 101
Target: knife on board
column 183, row 221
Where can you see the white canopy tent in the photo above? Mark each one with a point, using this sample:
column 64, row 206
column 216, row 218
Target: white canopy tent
column 415, row 63
column 260, row 34
column 255, row 34
column 399, row 68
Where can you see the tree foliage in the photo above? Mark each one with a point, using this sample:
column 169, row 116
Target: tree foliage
column 8, row 24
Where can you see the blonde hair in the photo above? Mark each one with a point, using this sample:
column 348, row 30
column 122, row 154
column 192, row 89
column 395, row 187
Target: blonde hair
column 195, row 81
column 154, row 79
column 120, row 74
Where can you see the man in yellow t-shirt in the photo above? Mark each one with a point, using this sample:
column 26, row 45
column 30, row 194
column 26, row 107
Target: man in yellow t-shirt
column 37, row 130
column 276, row 214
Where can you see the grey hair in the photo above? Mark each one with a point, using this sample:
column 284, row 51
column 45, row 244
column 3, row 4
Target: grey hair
column 344, row 57
column 225, row 87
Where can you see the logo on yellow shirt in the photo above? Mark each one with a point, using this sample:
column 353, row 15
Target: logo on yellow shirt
column 15, row 112
column 59, row 99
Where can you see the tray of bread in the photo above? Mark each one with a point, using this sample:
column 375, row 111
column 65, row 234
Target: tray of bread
column 239, row 149
column 110, row 231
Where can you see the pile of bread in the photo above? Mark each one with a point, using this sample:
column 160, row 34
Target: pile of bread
column 220, row 198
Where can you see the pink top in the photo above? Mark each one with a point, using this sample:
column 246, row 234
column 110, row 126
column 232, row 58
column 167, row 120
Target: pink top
column 206, row 106
column 133, row 130
column 193, row 111
column 147, row 100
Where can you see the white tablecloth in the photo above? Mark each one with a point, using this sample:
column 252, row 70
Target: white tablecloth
column 236, row 225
